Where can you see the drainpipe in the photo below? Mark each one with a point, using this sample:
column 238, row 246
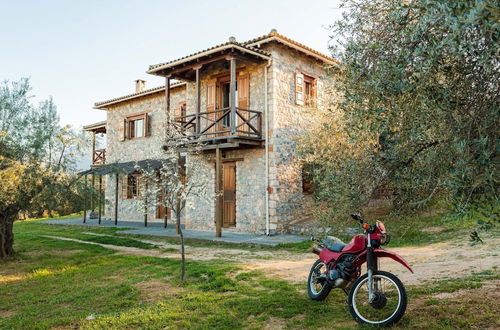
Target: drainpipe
column 266, row 134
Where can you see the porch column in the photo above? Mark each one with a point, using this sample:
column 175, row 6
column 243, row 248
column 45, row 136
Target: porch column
column 218, row 190
column 100, row 198
column 116, row 199
column 146, row 209
column 167, row 101
column 198, row 97
column 92, row 182
column 232, row 93
column 85, row 200
column 93, row 147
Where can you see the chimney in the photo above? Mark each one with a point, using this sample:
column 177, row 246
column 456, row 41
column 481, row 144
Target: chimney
column 140, row 85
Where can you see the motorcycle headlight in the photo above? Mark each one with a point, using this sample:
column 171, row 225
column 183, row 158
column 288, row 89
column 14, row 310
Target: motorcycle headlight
column 381, row 227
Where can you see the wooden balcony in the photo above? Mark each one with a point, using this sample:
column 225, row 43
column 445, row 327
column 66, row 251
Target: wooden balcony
column 223, row 128
column 99, row 157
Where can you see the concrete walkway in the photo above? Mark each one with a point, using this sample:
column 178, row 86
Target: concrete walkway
column 156, row 229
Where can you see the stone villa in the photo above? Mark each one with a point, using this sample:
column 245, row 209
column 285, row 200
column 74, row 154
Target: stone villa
column 247, row 100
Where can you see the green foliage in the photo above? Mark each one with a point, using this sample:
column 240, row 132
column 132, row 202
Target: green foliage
column 36, row 157
column 421, row 78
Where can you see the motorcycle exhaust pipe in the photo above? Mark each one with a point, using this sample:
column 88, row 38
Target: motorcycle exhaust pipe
column 316, row 249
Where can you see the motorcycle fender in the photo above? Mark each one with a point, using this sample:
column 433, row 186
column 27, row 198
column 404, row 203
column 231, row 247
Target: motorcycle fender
column 381, row 253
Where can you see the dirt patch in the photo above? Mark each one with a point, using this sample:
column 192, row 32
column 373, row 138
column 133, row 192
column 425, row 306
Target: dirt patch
column 6, row 313
column 155, row 290
column 433, row 262
column 429, row 263
column 435, row 229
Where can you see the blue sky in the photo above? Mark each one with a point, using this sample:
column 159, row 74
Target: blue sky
column 80, row 52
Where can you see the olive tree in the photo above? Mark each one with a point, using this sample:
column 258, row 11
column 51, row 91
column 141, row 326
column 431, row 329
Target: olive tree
column 420, row 92
column 36, row 156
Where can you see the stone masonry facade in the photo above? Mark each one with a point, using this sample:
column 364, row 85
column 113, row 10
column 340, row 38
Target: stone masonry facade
column 286, row 121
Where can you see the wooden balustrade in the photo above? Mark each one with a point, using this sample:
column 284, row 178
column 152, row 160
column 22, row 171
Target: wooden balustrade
column 99, row 157
column 247, row 123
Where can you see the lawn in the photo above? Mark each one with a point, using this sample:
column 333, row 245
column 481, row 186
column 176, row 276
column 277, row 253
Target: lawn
column 64, row 284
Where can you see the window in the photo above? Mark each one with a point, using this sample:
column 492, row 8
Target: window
column 307, row 180
column 180, row 112
column 136, row 126
column 131, row 186
column 309, row 91
column 305, row 89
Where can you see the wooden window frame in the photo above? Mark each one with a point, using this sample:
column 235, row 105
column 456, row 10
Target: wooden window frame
column 132, row 189
column 305, row 89
column 129, row 123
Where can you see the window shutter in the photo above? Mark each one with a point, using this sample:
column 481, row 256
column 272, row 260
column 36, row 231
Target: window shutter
column 243, row 100
column 299, row 88
column 319, row 94
column 123, row 130
column 211, row 96
column 147, row 124
column 138, row 182
column 124, row 184
column 177, row 113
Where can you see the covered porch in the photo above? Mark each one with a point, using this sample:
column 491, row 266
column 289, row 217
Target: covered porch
column 98, row 154
column 227, row 120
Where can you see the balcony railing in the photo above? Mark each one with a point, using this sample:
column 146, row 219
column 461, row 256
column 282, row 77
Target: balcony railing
column 245, row 123
column 99, row 157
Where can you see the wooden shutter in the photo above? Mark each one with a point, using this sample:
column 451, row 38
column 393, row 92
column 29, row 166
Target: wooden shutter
column 243, row 100
column 319, row 94
column 211, row 104
column 177, row 113
column 123, row 130
column 139, row 185
column 299, row 88
column 147, row 124
column 124, row 186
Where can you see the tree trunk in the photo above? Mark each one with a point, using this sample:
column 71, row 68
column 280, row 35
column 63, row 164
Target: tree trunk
column 183, row 257
column 6, row 237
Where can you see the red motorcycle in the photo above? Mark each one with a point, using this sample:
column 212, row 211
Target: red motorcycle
column 377, row 297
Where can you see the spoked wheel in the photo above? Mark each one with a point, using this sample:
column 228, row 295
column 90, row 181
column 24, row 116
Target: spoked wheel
column 318, row 287
column 388, row 304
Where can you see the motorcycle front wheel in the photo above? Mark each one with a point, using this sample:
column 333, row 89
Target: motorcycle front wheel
column 388, row 305
column 318, row 287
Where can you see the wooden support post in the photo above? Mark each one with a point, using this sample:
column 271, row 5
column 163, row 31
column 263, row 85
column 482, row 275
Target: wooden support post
column 116, row 199
column 218, row 191
column 92, row 182
column 100, row 198
column 167, row 100
column 85, row 200
column 146, row 209
column 232, row 93
column 198, row 98
column 93, row 147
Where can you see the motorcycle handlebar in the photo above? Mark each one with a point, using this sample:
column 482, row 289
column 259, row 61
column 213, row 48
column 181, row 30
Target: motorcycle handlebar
column 357, row 217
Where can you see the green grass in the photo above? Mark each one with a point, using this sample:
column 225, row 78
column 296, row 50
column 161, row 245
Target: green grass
column 53, row 283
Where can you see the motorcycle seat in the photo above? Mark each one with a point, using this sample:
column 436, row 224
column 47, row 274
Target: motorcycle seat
column 337, row 247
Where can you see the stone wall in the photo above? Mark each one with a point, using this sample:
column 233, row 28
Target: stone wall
column 287, row 122
column 250, row 172
column 135, row 149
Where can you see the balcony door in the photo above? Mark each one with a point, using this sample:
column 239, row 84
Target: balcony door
column 221, row 94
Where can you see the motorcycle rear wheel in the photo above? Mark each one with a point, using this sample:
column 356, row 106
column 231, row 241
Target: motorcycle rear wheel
column 318, row 287
column 389, row 304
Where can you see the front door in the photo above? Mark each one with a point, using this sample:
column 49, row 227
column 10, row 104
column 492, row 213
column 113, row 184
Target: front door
column 229, row 195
